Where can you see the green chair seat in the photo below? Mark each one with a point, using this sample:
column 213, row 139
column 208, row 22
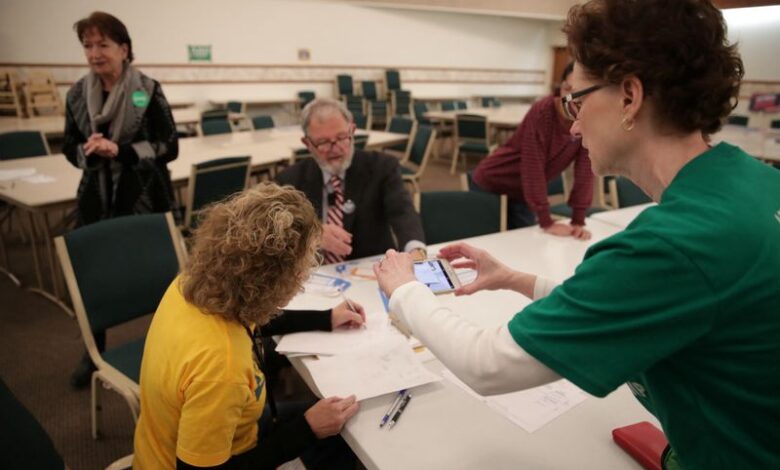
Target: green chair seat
column 474, row 147
column 407, row 171
column 262, row 122
column 127, row 358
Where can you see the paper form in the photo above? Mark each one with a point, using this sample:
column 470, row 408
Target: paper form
column 384, row 367
column 533, row 408
column 15, row 173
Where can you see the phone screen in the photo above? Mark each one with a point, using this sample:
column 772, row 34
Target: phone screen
column 432, row 274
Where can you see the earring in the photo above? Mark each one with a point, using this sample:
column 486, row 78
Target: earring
column 627, row 124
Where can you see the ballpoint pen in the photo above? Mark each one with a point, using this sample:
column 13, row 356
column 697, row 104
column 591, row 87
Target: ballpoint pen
column 398, row 398
column 400, row 410
column 351, row 305
column 349, row 302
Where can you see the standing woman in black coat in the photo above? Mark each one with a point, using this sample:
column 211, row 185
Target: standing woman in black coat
column 119, row 130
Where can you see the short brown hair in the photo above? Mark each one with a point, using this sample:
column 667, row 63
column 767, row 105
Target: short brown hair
column 109, row 26
column 677, row 48
column 251, row 254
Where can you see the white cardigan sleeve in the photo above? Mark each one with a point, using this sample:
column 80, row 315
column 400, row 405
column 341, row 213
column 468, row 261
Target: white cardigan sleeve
column 487, row 359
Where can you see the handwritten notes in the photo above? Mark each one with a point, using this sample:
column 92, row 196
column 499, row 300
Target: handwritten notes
column 384, row 367
column 533, row 408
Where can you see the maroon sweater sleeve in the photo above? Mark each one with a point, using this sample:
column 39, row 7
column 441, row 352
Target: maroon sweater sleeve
column 534, row 147
column 582, row 192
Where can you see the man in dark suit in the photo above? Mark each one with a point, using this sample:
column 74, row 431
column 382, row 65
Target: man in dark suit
column 360, row 195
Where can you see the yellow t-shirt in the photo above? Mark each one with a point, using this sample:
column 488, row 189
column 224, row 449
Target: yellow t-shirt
column 201, row 391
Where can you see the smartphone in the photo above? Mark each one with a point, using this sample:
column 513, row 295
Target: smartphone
column 437, row 274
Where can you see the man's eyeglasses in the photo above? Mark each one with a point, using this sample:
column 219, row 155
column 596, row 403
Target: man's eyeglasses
column 573, row 101
column 325, row 146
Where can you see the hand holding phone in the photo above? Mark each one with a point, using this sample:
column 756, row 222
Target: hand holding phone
column 437, row 274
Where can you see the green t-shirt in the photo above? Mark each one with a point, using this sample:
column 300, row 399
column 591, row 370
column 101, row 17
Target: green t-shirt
column 684, row 305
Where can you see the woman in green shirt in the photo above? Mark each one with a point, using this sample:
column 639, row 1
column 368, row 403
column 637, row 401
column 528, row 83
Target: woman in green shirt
column 684, row 304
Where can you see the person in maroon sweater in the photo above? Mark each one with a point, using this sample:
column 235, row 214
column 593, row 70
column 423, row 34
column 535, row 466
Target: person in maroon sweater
column 539, row 150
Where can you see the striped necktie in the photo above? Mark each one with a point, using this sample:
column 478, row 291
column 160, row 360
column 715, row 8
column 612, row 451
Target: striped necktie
column 335, row 215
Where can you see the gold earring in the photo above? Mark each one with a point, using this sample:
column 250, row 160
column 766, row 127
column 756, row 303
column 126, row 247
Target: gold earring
column 627, row 124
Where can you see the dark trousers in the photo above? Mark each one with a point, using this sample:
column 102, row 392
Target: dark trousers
column 326, row 454
column 518, row 213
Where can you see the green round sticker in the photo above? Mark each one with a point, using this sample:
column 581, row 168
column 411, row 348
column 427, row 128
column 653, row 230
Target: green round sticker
column 140, row 99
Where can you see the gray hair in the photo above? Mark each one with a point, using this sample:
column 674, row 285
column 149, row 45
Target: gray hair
column 321, row 107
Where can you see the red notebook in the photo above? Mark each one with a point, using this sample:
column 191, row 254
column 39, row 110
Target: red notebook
column 644, row 442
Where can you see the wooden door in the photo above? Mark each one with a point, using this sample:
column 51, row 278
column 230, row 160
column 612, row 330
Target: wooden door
column 561, row 59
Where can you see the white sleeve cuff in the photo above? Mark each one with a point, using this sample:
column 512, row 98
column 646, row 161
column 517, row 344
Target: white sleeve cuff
column 487, row 359
column 413, row 245
column 543, row 287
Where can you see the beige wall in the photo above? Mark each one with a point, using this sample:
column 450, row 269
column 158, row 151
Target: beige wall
column 272, row 31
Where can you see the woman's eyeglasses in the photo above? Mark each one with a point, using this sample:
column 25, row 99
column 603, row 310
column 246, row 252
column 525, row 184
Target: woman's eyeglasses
column 573, row 101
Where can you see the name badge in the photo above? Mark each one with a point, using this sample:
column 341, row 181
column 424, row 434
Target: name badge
column 140, row 99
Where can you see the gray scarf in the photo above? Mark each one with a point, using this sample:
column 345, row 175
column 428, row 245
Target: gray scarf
column 119, row 111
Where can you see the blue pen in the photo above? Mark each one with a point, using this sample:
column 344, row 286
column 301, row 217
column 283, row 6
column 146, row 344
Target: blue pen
column 398, row 399
column 400, row 410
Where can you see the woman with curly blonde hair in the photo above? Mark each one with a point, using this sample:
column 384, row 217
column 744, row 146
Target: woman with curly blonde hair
column 202, row 390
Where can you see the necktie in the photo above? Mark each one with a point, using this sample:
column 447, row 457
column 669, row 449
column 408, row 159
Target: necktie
column 335, row 215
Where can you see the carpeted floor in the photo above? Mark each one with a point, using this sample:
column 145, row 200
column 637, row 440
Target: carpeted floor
column 40, row 346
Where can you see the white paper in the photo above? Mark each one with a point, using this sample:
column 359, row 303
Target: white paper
column 15, row 173
column 533, row 408
column 384, row 367
column 38, row 179
column 376, row 329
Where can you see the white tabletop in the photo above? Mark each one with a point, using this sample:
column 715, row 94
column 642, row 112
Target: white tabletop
column 55, row 125
column 503, row 116
column 443, row 427
column 621, row 217
column 760, row 143
column 265, row 147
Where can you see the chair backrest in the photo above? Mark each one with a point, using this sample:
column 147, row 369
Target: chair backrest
column 737, row 120
column 212, row 181
column 627, row 193
column 215, row 126
column 378, row 110
column 400, row 125
column 489, row 102
column 461, row 105
column 118, row 269
column 305, row 97
column 420, row 108
column 453, row 215
column 360, row 120
column 422, row 145
column 22, row 144
column 471, row 127
column 360, row 141
column 555, row 186
column 369, row 89
column 448, row 106
column 344, row 85
column 235, row 106
column 262, row 122
column 393, row 80
column 354, row 104
column 402, row 103
column 24, row 436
